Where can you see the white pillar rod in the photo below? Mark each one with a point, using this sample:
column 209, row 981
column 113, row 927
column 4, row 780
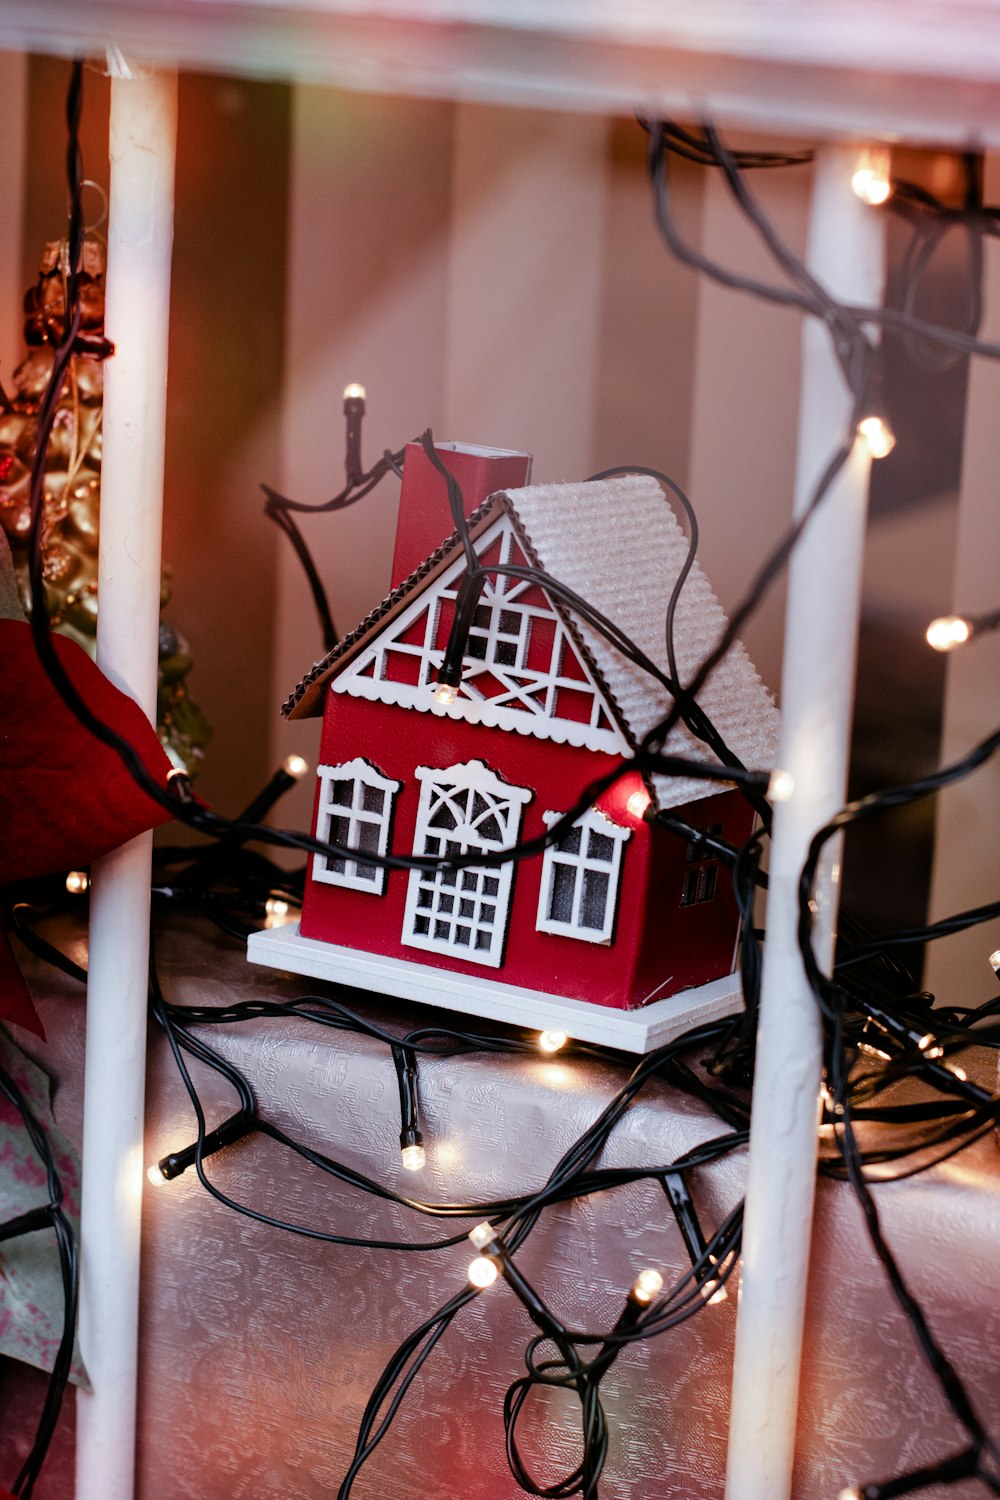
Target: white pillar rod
column 846, row 252
column 140, row 236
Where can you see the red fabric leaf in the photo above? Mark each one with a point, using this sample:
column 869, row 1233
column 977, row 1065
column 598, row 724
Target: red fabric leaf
column 16, row 1003
column 65, row 798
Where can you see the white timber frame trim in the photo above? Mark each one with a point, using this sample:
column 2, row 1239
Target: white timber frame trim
column 575, row 867
column 359, row 798
column 497, row 652
column 463, row 913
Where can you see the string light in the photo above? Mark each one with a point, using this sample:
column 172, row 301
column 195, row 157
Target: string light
column 295, row 765
column 276, row 906
column 445, row 693
column 639, row 803
column 77, row 881
column 780, row 786
column 877, row 433
column 851, row 1493
column 995, row 961
column 482, row 1272
column 947, row 632
column 156, row 1176
column 552, row 1041
column 871, row 181
column 355, row 392
column 413, row 1157
column 646, row 1286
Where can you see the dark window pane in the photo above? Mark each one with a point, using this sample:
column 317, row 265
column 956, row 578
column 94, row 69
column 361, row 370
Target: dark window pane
column 367, row 872
column 373, row 799
column 476, row 647
column 341, row 792
column 570, row 842
column 445, row 903
column 490, row 885
column 482, row 616
column 490, row 831
column 336, row 865
column 479, row 806
column 483, row 939
column 689, row 890
column 367, row 836
column 421, row 925
column 505, row 654
column 462, row 935
column 442, row 930
column 339, row 830
column 487, row 912
column 601, row 847
column 510, row 621
column 561, row 899
column 594, row 906
column 443, row 816
column 706, row 886
column 466, row 908
column 470, row 880
column 424, row 897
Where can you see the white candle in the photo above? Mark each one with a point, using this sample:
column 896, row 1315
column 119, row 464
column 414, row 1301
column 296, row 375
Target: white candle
column 140, row 236
column 846, row 252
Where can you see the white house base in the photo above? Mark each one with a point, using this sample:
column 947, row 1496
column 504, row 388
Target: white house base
column 630, row 1030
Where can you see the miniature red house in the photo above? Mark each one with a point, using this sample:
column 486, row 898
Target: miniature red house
column 620, row 912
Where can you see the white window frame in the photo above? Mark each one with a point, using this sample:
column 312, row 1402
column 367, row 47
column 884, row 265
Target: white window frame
column 580, row 862
column 362, row 774
column 435, row 898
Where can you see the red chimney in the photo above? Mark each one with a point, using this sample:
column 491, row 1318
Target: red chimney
column 425, row 518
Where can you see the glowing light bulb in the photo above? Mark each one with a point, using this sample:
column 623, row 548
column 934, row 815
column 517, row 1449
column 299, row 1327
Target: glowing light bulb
column 639, row 803
column 646, row 1285
column 851, row 1493
column 155, row 1176
column 413, row 1157
column 926, row 1042
column 878, row 435
column 295, row 766
column 551, row 1041
column 445, row 693
column 871, row 181
column 781, row 786
column 482, row 1272
column 947, row 632
column 274, row 906
column 354, row 392
column 995, row 960
column 77, row 882
column 958, row 1072
column 715, row 1291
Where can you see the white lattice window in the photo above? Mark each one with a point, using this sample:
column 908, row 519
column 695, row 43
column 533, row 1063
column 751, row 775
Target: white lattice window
column 581, row 876
column 355, row 810
column 463, row 912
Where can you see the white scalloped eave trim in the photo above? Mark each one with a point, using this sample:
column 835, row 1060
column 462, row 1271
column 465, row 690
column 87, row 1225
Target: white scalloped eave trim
column 560, row 731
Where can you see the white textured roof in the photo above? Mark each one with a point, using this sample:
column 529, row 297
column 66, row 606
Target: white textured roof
column 618, row 544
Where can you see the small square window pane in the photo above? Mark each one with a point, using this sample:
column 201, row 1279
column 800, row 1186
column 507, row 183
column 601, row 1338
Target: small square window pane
column 600, row 847
column 476, row 647
column 447, row 878
column 462, row 935
column 482, row 616
column 570, row 842
column 421, row 925
column 561, row 898
column 425, row 897
column 442, row 930
column 489, row 830
column 341, row 792
column 490, row 885
column 336, row 865
column 446, row 903
column 689, row 890
column 594, row 905
column 470, row 880
column 443, row 816
column 373, row 799
column 367, row 872
column 505, row 654
column 706, row 886
column 367, row 838
column 483, row 939
column 466, row 908
column 510, row 621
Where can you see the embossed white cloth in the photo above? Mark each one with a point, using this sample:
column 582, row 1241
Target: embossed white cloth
column 259, row 1348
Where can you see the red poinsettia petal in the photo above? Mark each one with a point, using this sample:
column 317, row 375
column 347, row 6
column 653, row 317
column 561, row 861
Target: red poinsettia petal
column 65, row 798
column 16, row 1003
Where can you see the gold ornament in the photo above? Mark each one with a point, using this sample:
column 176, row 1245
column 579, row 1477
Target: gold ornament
column 72, row 485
